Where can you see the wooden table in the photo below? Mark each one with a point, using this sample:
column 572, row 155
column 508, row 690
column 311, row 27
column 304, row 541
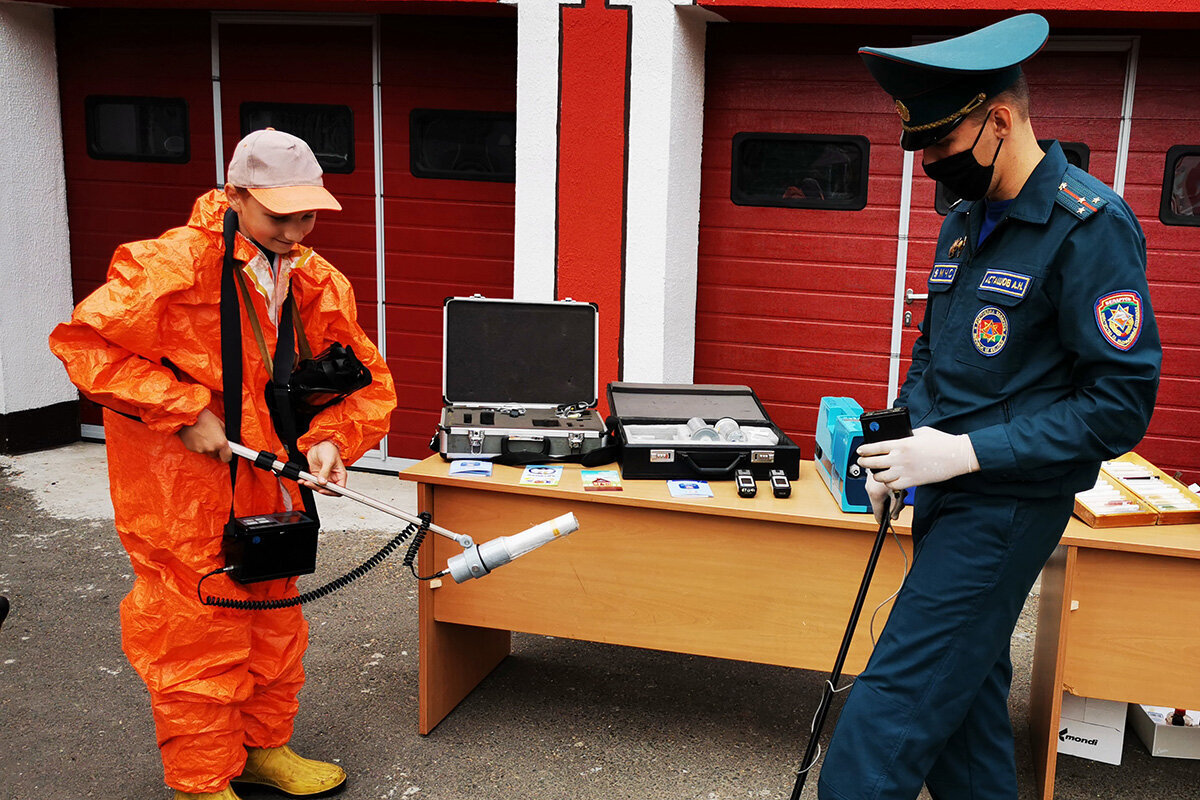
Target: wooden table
column 773, row 581
column 761, row 579
column 1117, row 620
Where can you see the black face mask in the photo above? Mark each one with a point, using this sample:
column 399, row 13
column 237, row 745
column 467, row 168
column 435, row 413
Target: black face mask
column 962, row 174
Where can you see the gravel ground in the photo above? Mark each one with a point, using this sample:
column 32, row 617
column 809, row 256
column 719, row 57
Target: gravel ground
column 559, row 719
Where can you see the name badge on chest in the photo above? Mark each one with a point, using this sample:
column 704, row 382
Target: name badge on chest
column 1012, row 284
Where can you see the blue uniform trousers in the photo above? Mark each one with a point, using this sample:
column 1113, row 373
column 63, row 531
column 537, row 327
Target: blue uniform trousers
column 932, row 704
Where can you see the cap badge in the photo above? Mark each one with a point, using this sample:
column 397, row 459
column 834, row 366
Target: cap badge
column 902, row 110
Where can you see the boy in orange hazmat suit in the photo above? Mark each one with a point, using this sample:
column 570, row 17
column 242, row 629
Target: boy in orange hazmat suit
column 147, row 346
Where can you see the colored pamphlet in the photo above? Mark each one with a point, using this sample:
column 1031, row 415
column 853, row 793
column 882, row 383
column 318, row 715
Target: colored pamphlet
column 600, row 480
column 477, row 468
column 689, row 489
column 542, row 475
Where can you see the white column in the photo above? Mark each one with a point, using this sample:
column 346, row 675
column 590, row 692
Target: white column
column 35, row 259
column 537, row 150
column 666, row 122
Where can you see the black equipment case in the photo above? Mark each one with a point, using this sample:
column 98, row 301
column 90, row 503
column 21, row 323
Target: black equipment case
column 519, row 381
column 655, row 442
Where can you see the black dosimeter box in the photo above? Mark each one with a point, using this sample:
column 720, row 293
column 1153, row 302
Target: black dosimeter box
column 269, row 546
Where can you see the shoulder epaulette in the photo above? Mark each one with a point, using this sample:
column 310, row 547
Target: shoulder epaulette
column 1075, row 196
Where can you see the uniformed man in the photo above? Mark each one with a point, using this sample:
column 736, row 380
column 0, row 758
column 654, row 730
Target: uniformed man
column 1038, row 358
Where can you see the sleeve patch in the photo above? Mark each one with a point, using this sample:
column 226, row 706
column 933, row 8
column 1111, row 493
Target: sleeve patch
column 1119, row 316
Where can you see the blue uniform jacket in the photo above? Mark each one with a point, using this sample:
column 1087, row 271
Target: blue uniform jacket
column 1040, row 343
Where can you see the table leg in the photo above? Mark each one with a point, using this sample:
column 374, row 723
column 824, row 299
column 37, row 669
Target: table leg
column 1046, row 685
column 453, row 658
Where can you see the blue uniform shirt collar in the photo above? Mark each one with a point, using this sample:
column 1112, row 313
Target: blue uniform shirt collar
column 1035, row 201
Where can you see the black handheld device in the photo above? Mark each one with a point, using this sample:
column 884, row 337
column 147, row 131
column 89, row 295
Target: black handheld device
column 780, row 484
column 885, row 425
column 746, row 487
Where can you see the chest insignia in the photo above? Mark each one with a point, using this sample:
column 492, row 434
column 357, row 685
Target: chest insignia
column 943, row 273
column 1119, row 316
column 1012, row 284
column 989, row 331
column 956, row 247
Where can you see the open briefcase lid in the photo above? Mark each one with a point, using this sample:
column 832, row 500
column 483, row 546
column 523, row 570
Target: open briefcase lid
column 498, row 352
column 666, row 401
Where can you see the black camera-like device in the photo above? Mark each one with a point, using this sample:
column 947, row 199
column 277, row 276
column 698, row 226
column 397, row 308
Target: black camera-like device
column 885, row 425
column 269, row 546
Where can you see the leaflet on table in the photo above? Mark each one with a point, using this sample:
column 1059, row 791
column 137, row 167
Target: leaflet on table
column 476, row 468
column 542, row 475
column 601, row 480
column 689, row 488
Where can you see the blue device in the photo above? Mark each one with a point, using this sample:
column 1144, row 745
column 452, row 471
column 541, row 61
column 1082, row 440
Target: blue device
column 839, row 433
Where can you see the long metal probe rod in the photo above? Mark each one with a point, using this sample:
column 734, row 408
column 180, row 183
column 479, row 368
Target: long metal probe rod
column 831, row 685
column 378, row 505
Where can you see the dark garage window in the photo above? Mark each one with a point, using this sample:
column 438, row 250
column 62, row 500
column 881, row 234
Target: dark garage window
column 800, row 170
column 463, row 145
column 1180, row 203
column 328, row 130
column 1077, row 153
column 137, row 128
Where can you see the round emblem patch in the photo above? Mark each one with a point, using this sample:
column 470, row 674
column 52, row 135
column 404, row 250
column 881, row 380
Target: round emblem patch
column 1119, row 316
column 989, row 332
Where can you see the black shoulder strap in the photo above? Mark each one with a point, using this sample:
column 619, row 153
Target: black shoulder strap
column 231, row 369
column 231, row 348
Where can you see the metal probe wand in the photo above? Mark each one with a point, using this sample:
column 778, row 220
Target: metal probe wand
column 474, row 561
column 830, row 686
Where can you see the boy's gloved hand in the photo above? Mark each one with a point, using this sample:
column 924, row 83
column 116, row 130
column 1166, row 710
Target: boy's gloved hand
column 928, row 456
column 879, row 493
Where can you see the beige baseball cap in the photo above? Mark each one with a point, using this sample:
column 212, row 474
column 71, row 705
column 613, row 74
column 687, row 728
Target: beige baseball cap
column 281, row 172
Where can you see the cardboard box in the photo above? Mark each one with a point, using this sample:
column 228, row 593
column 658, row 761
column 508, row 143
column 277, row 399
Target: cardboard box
column 1160, row 737
column 1092, row 729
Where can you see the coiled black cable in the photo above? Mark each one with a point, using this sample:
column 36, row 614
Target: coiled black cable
column 411, row 555
column 362, row 569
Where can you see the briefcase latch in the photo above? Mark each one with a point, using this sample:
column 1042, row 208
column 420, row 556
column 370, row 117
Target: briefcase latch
column 762, row 456
column 475, row 437
column 575, row 440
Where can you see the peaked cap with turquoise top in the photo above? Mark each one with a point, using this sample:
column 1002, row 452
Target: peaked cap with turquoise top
column 937, row 85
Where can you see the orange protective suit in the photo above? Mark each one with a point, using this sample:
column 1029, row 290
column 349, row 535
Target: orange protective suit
column 147, row 344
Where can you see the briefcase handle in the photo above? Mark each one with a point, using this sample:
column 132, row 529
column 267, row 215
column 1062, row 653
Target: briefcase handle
column 543, row 448
column 714, row 472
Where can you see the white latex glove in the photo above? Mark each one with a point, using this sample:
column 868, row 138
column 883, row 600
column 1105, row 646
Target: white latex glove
column 879, row 493
column 928, row 456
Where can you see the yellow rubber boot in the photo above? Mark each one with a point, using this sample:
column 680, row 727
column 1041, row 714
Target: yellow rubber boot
column 225, row 794
column 283, row 770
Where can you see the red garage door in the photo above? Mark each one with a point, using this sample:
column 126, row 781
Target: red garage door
column 137, row 142
column 323, row 95
column 449, row 121
column 795, row 300
column 1167, row 116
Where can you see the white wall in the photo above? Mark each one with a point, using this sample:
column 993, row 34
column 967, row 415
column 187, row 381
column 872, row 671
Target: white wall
column 666, row 125
column 534, row 256
column 35, row 265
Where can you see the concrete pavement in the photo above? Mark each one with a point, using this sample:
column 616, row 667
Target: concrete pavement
column 557, row 720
